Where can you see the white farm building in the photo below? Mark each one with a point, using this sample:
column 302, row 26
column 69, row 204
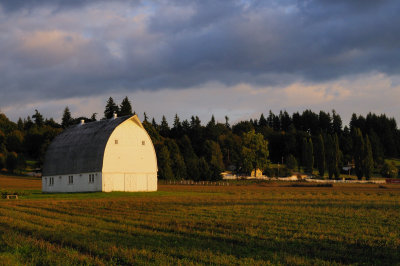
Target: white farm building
column 108, row 155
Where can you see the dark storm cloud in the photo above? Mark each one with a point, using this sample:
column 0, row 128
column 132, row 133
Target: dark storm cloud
column 83, row 50
column 13, row 5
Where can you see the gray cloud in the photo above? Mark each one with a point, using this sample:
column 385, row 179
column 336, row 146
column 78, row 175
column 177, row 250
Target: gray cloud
column 60, row 49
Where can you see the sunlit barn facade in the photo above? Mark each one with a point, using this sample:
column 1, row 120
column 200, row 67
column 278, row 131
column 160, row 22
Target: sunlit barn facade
column 109, row 155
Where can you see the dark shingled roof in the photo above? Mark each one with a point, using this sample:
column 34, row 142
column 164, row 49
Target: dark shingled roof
column 80, row 148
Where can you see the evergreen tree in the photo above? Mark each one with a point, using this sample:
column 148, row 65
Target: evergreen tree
column 110, row 109
column 164, row 128
column 125, row 107
column 66, row 120
column 336, row 123
column 262, row 122
column 368, row 161
column 177, row 162
column 177, row 130
column 93, row 117
column 359, row 152
column 20, row 124
column 227, row 122
column 2, row 161
column 164, row 163
column 320, row 155
column 145, row 117
column 38, row 118
column 15, row 141
column 211, row 130
column 11, row 161
column 332, row 155
column 291, row 162
column 285, row 120
column 191, row 159
column 307, row 155
column 337, row 157
column 154, row 124
column 213, row 156
column 205, row 173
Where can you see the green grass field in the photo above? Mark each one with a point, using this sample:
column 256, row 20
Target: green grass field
column 254, row 224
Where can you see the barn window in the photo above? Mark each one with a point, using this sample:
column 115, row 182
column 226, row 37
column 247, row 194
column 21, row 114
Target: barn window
column 51, row 181
column 91, row 178
column 143, row 142
column 116, row 141
column 70, row 179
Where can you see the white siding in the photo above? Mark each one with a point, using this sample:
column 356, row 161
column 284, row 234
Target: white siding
column 80, row 183
column 130, row 162
column 129, row 182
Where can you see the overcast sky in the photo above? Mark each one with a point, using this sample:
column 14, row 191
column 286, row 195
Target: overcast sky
column 236, row 58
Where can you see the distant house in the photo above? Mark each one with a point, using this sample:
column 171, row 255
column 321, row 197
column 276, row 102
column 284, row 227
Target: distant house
column 256, row 173
column 109, row 155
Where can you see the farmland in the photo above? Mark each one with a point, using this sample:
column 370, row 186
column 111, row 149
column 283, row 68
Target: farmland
column 261, row 223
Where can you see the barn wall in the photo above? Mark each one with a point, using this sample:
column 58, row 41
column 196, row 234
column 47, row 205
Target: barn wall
column 129, row 182
column 130, row 162
column 80, row 183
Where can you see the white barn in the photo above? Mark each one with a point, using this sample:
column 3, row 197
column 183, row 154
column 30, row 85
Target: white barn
column 109, row 155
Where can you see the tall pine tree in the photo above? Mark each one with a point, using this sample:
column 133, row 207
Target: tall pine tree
column 66, row 120
column 359, row 152
column 368, row 161
column 320, row 155
column 110, row 109
column 125, row 107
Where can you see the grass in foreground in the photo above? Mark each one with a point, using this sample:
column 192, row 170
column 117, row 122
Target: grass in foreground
column 254, row 224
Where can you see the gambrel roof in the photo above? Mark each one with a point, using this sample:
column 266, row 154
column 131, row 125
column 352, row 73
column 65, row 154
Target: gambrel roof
column 80, row 148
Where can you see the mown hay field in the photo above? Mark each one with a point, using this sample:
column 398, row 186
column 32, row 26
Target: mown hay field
column 257, row 224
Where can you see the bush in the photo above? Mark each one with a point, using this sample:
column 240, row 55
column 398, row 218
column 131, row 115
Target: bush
column 389, row 170
column 2, row 161
column 273, row 172
column 291, row 162
column 12, row 161
column 270, row 172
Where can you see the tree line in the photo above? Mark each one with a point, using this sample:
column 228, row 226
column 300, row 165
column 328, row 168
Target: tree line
column 189, row 149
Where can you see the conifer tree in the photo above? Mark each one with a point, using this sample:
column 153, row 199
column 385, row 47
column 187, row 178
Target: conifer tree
column 93, row 117
column 337, row 156
column 164, row 128
column 320, row 155
column 177, row 162
column 125, row 107
column 66, row 120
column 359, row 152
column 110, row 109
column 214, row 158
column 164, row 163
column 154, row 123
column 291, row 162
column 38, row 117
column 205, row 173
column 262, row 122
column 20, row 124
column 191, row 159
column 227, row 122
column 307, row 155
column 368, row 161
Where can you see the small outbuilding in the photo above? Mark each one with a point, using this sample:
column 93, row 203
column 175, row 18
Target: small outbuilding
column 115, row 154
